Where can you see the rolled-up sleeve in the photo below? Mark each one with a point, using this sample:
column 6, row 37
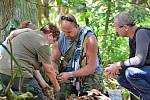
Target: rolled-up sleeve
column 142, row 46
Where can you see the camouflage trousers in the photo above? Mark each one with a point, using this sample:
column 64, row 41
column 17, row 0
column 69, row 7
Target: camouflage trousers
column 90, row 82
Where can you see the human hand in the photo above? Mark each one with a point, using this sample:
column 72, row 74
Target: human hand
column 44, row 85
column 11, row 36
column 49, row 92
column 64, row 76
column 112, row 70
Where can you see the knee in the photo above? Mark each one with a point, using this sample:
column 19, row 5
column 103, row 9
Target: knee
column 131, row 73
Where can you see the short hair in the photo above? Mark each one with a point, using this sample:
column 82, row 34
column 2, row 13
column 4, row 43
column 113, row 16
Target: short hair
column 125, row 19
column 50, row 28
column 68, row 17
column 27, row 24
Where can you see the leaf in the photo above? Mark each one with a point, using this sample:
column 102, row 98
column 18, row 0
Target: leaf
column 59, row 2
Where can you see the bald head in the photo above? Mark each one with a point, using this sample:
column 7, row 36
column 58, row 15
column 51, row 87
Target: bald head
column 68, row 17
column 124, row 18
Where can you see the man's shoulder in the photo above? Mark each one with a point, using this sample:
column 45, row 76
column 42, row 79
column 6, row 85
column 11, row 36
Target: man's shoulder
column 143, row 29
column 35, row 32
column 89, row 32
column 143, row 32
column 31, row 34
column 33, row 38
column 86, row 28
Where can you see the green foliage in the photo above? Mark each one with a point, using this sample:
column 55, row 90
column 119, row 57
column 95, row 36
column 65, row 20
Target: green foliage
column 110, row 45
column 25, row 96
column 110, row 84
column 59, row 2
column 140, row 13
column 125, row 94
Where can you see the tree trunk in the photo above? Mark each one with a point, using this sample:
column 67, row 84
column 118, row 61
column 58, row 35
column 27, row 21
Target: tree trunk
column 14, row 11
column 6, row 12
column 108, row 13
column 25, row 10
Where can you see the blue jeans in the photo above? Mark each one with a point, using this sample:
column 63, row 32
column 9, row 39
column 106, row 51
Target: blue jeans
column 136, row 80
column 28, row 84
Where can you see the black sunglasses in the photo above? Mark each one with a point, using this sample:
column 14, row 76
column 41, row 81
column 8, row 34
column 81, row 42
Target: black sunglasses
column 67, row 19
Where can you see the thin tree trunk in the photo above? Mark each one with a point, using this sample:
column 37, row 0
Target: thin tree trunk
column 106, row 29
column 107, row 20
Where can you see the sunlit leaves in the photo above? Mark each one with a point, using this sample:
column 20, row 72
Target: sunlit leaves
column 59, row 2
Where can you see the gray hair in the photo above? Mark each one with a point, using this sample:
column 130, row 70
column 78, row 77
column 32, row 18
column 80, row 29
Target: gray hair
column 125, row 19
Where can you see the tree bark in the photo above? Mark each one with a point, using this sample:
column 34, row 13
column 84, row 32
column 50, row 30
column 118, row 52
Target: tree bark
column 6, row 12
column 25, row 10
column 14, row 11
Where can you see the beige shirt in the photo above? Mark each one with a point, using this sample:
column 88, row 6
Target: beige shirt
column 30, row 49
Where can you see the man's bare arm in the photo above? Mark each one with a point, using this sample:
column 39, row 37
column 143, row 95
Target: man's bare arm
column 40, row 79
column 50, row 72
column 55, row 56
column 91, row 53
column 16, row 32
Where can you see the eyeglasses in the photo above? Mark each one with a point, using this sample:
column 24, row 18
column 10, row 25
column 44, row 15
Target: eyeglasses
column 127, row 25
column 68, row 19
column 121, row 26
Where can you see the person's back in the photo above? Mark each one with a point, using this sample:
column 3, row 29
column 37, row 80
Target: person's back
column 26, row 49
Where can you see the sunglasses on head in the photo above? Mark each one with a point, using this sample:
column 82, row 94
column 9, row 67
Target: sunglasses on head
column 67, row 19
